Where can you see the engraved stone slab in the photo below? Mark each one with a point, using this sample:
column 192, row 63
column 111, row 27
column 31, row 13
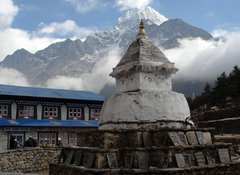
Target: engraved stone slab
column 200, row 158
column 180, row 160
column 183, row 138
column 88, row 159
column 187, row 159
column 69, row 157
column 174, row 138
column 163, row 160
column 192, row 139
column 224, row 155
column 200, row 137
column 112, row 160
column 147, row 139
column 128, row 161
column 210, row 160
column 78, row 158
column 207, row 137
column 143, row 160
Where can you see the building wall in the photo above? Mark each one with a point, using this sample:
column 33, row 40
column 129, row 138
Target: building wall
column 28, row 160
column 62, row 133
column 15, row 103
column 3, row 140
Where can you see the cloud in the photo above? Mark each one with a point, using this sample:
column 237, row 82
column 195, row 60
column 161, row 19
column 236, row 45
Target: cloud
column 202, row 60
column 12, row 77
column 83, row 6
column 13, row 39
column 128, row 4
column 219, row 33
column 7, row 13
column 93, row 81
column 66, row 29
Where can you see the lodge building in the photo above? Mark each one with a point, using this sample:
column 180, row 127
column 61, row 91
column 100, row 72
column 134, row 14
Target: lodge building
column 46, row 114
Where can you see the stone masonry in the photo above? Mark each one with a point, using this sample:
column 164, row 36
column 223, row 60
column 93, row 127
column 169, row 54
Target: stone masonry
column 27, row 160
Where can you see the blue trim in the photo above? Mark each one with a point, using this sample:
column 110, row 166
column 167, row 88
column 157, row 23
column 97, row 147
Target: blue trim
column 49, row 93
column 48, row 123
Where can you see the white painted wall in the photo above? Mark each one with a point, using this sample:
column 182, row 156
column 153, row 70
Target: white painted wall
column 64, row 112
column 128, row 83
column 144, row 81
column 14, row 110
column 86, row 112
column 39, row 111
column 151, row 81
column 144, row 106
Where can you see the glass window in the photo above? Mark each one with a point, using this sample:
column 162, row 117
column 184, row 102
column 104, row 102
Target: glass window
column 4, row 111
column 47, row 138
column 75, row 114
column 26, row 112
column 50, row 112
column 95, row 114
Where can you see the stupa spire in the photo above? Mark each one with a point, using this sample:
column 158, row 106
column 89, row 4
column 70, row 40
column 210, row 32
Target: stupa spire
column 141, row 29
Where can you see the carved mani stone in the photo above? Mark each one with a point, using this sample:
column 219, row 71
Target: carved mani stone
column 174, row 138
column 207, row 137
column 192, row 139
column 163, row 160
column 210, row 160
column 200, row 158
column 200, row 137
column 180, row 160
column 128, row 161
column 78, row 158
column 88, row 159
column 143, row 160
column 224, row 155
column 183, row 138
column 112, row 160
column 69, row 157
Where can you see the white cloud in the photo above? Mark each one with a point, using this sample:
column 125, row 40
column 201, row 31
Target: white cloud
column 66, row 29
column 219, row 33
column 83, row 6
column 12, row 77
column 127, row 4
column 7, row 13
column 13, row 39
column 95, row 80
column 198, row 59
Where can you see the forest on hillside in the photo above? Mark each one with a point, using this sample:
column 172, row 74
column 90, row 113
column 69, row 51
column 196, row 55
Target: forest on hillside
column 223, row 92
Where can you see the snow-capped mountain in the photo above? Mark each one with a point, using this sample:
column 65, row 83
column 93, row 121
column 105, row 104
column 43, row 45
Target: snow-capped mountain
column 72, row 58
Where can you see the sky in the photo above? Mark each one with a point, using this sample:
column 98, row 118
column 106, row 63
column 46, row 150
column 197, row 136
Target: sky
column 34, row 24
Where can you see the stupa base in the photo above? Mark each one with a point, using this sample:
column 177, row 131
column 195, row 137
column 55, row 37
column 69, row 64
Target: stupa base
column 153, row 151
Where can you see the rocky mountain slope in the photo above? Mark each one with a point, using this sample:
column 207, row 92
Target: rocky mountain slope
column 72, row 58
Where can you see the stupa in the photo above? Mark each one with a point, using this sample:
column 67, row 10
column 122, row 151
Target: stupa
column 144, row 97
column 145, row 127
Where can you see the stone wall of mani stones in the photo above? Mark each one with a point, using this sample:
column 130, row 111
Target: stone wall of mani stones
column 147, row 152
column 27, row 160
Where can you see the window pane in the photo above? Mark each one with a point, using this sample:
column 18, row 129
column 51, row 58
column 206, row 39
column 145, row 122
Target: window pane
column 75, row 114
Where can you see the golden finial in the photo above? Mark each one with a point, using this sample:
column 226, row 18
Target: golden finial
column 141, row 29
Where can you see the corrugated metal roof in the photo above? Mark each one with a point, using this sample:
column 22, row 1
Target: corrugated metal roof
column 48, row 123
column 49, row 93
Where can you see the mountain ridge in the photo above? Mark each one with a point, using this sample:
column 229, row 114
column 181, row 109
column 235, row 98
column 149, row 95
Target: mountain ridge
column 73, row 58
